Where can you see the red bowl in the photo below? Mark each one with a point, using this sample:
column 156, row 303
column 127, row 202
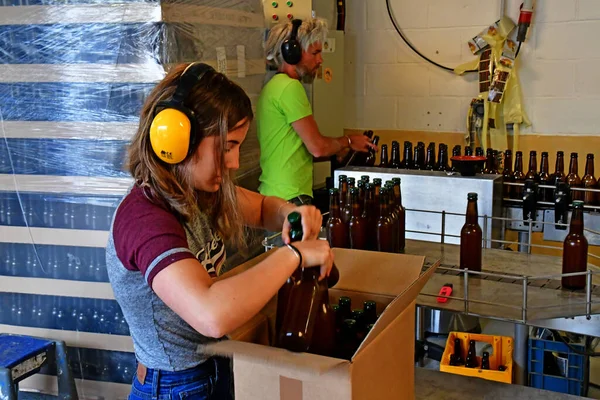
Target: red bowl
column 468, row 165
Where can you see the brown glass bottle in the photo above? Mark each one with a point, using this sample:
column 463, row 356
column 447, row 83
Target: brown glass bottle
column 545, row 193
column 309, row 322
column 361, row 195
column 532, row 170
column 370, row 312
column 407, row 162
column 479, row 152
column 393, row 215
column 370, row 216
column 470, row 237
column 385, row 229
column 395, row 161
column 471, row 360
column 343, row 188
column 345, row 307
column 559, row 169
column 365, row 178
column 442, row 164
column 518, row 177
column 489, row 163
column 337, row 233
column 456, row 151
column 575, row 250
column 283, row 294
column 383, row 162
column 468, row 151
column 357, row 227
column 348, row 202
column 589, row 182
column 496, row 170
column 430, row 157
column 573, row 179
column 348, row 343
column 417, row 158
column 401, row 213
column 372, row 155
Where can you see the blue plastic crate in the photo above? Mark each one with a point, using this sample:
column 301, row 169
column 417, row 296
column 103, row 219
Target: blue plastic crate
column 563, row 375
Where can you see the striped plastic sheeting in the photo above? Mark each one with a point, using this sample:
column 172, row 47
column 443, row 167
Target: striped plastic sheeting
column 73, row 77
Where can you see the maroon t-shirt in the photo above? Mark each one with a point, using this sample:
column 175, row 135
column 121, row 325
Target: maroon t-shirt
column 148, row 238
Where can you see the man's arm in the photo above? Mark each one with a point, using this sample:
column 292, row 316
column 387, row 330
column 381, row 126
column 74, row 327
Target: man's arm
column 323, row 146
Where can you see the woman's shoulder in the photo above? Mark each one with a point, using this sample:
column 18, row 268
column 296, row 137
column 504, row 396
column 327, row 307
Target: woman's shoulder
column 138, row 208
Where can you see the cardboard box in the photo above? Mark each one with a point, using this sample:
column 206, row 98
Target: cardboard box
column 382, row 367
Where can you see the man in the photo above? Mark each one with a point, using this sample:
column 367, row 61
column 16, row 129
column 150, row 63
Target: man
column 288, row 135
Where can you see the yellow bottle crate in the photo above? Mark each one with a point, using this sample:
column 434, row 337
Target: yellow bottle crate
column 501, row 354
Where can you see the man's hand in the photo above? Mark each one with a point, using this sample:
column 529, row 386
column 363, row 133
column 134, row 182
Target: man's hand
column 311, row 223
column 361, row 143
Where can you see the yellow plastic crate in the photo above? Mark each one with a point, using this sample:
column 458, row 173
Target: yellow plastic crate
column 500, row 355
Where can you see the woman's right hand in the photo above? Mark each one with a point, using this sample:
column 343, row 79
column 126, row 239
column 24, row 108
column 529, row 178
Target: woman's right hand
column 316, row 253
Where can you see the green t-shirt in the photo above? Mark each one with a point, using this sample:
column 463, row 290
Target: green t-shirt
column 286, row 163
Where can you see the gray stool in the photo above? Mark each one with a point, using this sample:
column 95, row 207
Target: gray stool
column 23, row 356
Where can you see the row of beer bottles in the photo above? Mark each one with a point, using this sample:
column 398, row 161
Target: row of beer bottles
column 418, row 158
column 543, row 177
column 575, row 245
column 352, row 325
column 367, row 217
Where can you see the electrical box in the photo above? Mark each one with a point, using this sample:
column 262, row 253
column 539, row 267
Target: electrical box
column 285, row 10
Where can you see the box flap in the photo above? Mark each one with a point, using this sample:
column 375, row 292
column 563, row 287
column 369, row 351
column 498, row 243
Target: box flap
column 287, row 362
column 395, row 308
column 376, row 272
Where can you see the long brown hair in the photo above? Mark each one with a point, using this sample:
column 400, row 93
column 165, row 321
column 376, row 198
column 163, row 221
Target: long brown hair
column 219, row 105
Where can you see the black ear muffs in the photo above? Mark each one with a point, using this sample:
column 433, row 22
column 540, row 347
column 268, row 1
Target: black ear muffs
column 291, row 50
column 173, row 133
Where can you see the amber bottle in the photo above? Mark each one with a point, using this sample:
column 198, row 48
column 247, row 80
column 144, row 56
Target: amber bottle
column 545, row 193
column 337, row 233
column 573, row 179
column 589, row 182
column 385, row 229
column 575, row 250
column 518, row 177
column 357, row 227
column 383, row 162
column 470, row 237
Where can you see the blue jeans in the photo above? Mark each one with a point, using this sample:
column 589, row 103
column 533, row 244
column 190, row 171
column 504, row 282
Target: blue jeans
column 209, row 380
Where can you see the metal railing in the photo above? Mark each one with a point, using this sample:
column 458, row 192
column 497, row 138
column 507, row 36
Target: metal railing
column 523, row 308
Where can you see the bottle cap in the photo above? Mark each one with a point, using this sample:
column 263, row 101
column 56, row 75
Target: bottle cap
column 472, row 196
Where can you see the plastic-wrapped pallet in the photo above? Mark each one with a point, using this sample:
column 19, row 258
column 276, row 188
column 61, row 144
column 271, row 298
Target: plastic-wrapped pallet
column 73, row 77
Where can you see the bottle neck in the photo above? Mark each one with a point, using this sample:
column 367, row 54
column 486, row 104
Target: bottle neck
column 384, row 155
column 472, row 214
column 560, row 164
column 533, row 163
column 577, row 221
column 355, row 206
column 574, row 167
column 508, row 163
column 519, row 163
column 334, row 206
column 589, row 167
column 544, row 167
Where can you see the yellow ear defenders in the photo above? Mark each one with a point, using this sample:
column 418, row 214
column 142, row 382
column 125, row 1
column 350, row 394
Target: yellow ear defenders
column 173, row 130
column 291, row 49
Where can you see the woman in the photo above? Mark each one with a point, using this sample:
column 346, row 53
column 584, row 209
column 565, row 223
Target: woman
column 169, row 231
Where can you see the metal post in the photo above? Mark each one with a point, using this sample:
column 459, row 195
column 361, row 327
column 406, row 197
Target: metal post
column 420, row 331
column 466, row 289
column 443, row 226
column 529, row 236
column 520, row 354
column 522, row 240
column 524, row 315
column 485, row 231
column 588, row 295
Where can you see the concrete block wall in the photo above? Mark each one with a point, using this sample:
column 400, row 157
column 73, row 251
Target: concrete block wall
column 389, row 87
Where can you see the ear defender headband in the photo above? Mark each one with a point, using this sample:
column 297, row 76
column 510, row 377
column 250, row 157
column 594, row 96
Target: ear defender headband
column 291, row 50
column 173, row 133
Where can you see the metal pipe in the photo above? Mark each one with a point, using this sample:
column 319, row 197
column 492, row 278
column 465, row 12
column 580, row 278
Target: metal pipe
column 420, row 330
column 525, row 282
column 520, row 353
column 485, row 229
column 466, row 289
column 443, row 226
column 530, row 225
column 487, row 303
column 522, row 241
column 588, row 295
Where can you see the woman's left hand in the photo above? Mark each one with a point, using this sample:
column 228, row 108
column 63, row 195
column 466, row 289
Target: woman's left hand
column 311, row 223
